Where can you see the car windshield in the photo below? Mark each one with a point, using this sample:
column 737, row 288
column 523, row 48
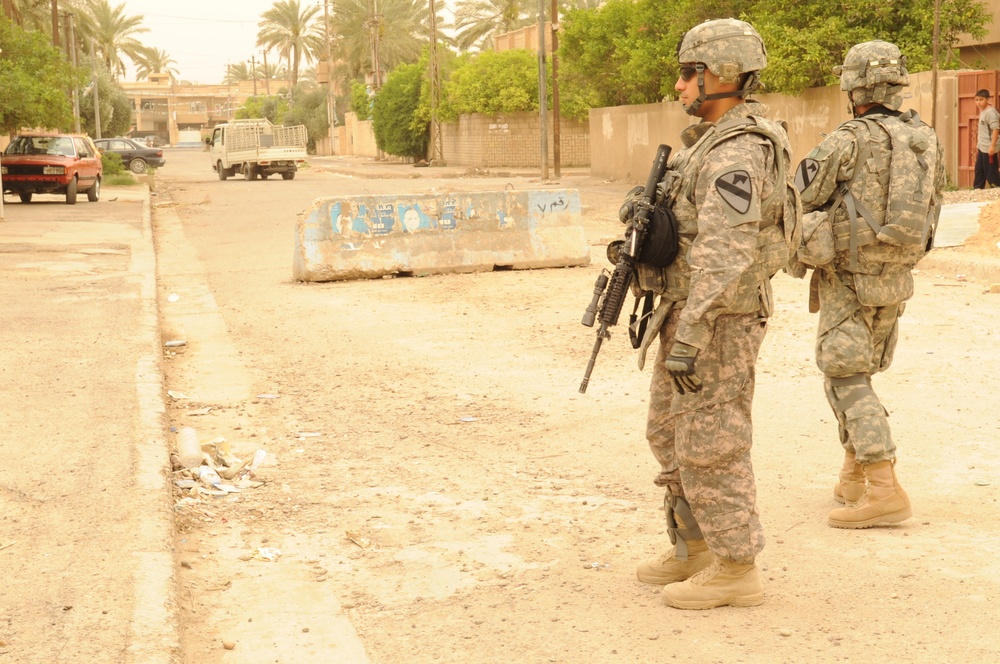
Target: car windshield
column 51, row 145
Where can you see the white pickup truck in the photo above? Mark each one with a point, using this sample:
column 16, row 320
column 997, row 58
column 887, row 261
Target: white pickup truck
column 257, row 147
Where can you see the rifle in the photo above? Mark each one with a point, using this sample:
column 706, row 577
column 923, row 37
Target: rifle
column 609, row 292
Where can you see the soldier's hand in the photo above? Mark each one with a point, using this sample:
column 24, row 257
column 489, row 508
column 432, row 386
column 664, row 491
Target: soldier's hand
column 680, row 365
column 627, row 210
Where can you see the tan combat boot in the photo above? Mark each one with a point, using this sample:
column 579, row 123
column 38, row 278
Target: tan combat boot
column 851, row 482
column 884, row 501
column 724, row 582
column 666, row 568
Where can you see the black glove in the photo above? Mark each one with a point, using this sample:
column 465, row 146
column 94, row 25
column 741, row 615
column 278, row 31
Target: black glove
column 627, row 210
column 680, row 365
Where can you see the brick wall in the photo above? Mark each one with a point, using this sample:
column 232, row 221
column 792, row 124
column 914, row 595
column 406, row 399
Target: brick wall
column 512, row 140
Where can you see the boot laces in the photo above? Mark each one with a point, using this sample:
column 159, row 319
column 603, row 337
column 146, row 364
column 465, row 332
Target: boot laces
column 707, row 574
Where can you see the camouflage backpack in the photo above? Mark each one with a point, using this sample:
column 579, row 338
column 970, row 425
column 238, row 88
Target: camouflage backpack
column 902, row 232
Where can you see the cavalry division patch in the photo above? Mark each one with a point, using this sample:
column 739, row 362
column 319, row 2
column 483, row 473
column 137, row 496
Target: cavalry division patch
column 806, row 173
column 736, row 189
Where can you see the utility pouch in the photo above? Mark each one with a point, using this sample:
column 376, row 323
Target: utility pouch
column 893, row 286
column 817, row 247
column 661, row 244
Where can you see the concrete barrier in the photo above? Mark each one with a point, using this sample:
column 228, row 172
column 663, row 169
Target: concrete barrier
column 365, row 237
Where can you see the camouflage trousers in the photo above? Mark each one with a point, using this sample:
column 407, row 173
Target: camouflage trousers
column 703, row 440
column 856, row 341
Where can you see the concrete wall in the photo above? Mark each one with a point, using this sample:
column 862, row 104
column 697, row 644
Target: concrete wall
column 366, row 237
column 623, row 139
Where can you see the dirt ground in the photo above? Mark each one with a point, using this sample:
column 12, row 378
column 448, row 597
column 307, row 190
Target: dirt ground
column 436, row 489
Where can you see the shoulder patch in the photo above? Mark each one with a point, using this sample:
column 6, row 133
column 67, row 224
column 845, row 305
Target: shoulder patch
column 806, row 173
column 736, row 189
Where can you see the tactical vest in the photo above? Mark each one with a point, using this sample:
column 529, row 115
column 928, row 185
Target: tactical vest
column 887, row 211
column 779, row 233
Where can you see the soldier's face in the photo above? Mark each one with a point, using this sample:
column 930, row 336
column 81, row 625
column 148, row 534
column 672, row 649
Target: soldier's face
column 688, row 91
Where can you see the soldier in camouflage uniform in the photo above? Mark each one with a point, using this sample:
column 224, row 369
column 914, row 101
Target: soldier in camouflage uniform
column 872, row 192
column 728, row 188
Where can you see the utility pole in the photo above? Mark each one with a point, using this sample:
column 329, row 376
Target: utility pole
column 436, row 156
column 71, row 47
column 267, row 76
column 556, row 156
column 373, row 24
column 55, row 23
column 542, row 100
column 97, row 102
column 934, row 70
column 253, row 72
column 331, row 110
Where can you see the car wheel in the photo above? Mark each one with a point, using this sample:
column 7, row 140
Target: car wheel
column 249, row 172
column 223, row 173
column 263, row 176
column 137, row 166
column 25, row 198
column 71, row 192
column 288, row 175
column 94, row 193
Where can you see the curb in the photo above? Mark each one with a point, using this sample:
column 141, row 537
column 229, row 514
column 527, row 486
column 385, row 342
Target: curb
column 957, row 264
column 154, row 636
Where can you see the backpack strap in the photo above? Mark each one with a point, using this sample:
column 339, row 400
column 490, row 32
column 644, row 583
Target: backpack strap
column 855, row 208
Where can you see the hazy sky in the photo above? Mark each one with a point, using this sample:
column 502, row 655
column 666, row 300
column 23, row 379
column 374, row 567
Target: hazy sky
column 202, row 36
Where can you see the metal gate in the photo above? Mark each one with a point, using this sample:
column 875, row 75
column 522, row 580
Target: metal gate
column 968, row 119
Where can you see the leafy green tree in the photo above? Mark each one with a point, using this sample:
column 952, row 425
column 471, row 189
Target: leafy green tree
column 491, row 82
column 361, row 101
column 116, row 108
column 806, row 40
column 272, row 107
column 309, row 108
column 399, row 127
column 114, row 34
column 291, row 30
column 624, row 51
column 34, row 78
column 155, row 61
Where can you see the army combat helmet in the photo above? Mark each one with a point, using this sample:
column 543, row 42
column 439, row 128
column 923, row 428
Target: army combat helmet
column 728, row 48
column 873, row 72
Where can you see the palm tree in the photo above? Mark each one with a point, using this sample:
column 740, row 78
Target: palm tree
column 32, row 14
column 113, row 34
column 156, row 61
column 401, row 27
column 477, row 21
column 237, row 72
column 289, row 29
column 273, row 71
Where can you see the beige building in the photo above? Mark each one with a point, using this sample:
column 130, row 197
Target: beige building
column 982, row 53
column 175, row 113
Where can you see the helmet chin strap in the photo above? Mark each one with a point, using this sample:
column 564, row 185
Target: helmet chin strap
column 702, row 97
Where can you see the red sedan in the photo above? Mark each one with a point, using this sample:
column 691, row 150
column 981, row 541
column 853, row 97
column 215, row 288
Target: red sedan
column 62, row 164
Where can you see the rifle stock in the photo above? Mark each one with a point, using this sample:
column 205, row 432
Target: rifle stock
column 606, row 305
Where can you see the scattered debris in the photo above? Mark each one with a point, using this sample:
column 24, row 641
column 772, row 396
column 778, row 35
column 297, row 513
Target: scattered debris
column 177, row 395
column 358, row 539
column 175, row 343
column 268, row 554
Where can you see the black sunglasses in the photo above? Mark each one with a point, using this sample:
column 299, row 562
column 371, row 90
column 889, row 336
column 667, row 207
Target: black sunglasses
column 687, row 72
